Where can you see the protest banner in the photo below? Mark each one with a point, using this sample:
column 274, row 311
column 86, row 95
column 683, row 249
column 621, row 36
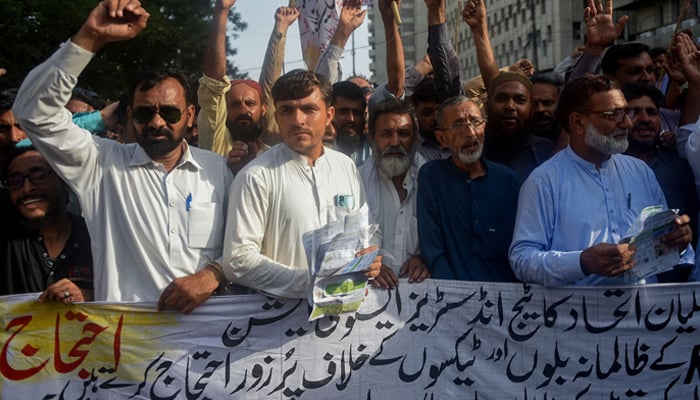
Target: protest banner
column 317, row 22
column 434, row 340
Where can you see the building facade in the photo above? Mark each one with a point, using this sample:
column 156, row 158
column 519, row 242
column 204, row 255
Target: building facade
column 544, row 31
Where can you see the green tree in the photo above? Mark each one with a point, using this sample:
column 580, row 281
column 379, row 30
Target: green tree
column 30, row 30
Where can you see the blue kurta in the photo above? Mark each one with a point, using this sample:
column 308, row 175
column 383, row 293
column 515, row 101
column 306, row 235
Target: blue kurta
column 465, row 225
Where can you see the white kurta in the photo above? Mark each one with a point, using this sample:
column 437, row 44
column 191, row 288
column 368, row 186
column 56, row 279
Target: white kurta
column 147, row 226
column 273, row 201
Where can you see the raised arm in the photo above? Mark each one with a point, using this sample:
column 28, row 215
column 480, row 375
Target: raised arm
column 272, row 68
column 442, row 54
column 39, row 106
column 395, row 64
column 688, row 55
column 351, row 17
column 601, row 33
column 214, row 85
column 474, row 14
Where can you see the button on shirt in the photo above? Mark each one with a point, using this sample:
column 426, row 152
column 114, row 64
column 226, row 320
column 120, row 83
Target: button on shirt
column 274, row 200
column 465, row 225
column 147, row 226
column 397, row 221
column 567, row 206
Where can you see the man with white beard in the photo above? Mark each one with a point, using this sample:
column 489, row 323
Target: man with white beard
column 390, row 179
column 466, row 204
column 574, row 209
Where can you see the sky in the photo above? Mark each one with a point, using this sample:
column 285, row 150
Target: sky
column 252, row 43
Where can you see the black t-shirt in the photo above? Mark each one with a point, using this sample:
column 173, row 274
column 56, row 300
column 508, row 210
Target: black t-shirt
column 26, row 267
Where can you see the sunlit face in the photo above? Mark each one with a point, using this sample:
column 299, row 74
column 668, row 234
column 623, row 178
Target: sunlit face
column 636, row 69
column 603, row 134
column 302, row 123
column 509, row 108
column 646, row 124
column 459, row 131
column 393, row 143
column 39, row 200
column 245, row 111
column 157, row 136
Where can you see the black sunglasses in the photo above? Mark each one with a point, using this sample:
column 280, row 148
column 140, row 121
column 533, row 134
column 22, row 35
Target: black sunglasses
column 36, row 176
column 143, row 114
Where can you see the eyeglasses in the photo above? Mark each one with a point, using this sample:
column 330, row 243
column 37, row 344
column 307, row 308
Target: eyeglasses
column 463, row 125
column 650, row 111
column 617, row 115
column 6, row 128
column 36, row 176
column 143, row 114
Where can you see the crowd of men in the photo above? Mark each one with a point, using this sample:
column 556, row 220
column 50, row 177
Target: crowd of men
column 515, row 176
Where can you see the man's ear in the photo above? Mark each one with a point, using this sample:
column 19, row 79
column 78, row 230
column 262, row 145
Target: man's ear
column 330, row 114
column 576, row 123
column 190, row 113
column 440, row 136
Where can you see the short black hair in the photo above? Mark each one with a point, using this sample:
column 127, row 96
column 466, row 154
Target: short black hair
column 348, row 90
column 300, row 83
column 425, row 91
column 612, row 57
column 12, row 153
column 634, row 91
column 392, row 105
column 576, row 95
column 546, row 77
column 147, row 79
column 7, row 99
column 655, row 51
column 88, row 97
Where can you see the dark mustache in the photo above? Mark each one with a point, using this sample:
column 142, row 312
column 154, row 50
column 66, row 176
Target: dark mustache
column 244, row 117
column 155, row 132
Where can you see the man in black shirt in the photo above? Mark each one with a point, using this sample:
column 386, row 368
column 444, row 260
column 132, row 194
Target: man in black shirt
column 43, row 248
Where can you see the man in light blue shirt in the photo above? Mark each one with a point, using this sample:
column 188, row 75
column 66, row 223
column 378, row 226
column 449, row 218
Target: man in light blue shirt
column 575, row 208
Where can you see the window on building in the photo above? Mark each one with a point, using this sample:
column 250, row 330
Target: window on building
column 576, row 30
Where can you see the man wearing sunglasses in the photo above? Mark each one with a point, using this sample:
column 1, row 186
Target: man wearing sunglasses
column 575, row 208
column 43, row 248
column 154, row 209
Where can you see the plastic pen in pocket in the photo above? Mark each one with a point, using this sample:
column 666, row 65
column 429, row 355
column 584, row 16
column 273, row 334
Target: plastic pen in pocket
column 188, row 201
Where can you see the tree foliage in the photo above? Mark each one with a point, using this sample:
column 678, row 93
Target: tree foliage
column 30, row 30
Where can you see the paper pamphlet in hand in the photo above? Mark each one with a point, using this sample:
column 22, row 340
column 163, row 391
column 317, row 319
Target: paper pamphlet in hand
column 651, row 256
column 338, row 276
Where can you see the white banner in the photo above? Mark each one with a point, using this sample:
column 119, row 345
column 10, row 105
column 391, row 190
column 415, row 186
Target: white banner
column 317, row 22
column 435, row 340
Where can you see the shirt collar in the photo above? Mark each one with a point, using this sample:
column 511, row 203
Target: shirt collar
column 140, row 158
column 464, row 174
column 300, row 158
column 586, row 164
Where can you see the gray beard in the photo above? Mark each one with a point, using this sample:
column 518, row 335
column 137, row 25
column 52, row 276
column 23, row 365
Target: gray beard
column 393, row 166
column 470, row 157
column 605, row 144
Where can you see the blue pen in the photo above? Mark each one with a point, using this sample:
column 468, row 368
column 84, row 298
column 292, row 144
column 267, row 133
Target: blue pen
column 188, row 201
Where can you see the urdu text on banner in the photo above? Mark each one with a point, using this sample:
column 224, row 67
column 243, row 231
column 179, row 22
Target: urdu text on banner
column 437, row 339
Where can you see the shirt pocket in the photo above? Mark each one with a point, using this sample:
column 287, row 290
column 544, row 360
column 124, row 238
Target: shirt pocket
column 204, row 225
